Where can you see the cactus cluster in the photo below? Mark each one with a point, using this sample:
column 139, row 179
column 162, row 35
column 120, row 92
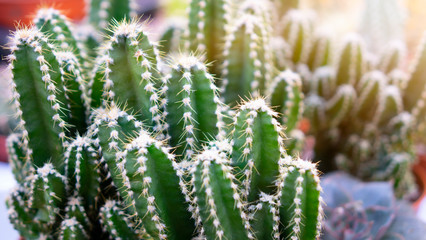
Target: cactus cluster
column 127, row 144
column 363, row 114
column 362, row 108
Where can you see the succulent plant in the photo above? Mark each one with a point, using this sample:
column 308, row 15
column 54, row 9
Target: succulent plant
column 132, row 146
column 352, row 213
column 363, row 115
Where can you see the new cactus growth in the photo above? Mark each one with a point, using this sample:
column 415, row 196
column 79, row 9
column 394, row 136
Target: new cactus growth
column 133, row 146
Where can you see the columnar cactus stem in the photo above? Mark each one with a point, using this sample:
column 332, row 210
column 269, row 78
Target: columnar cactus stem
column 117, row 223
column 245, row 70
column 370, row 88
column 21, row 166
column 74, row 89
column 351, row 65
column 296, row 29
column 171, row 39
column 208, row 20
column 159, row 205
column 265, row 218
column 416, row 84
column 47, row 194
column 75, row 209
column 22, row 217
column 339, row 106
column 392, row 56
column 101, row 12
column 300, row 200
column 217, row 197
column 281, row 50
column 286, row 94
column 127, row 73
column 41, row 107
column 55, row 25
column 398, row 78
column 320, row 54
column 194, row 111
column 323, row 82
column 257, row 147
column 390, row 105
column 71, row 229
column 315, row 111
column 83, row 172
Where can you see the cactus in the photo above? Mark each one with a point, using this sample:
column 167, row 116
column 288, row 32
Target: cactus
column 194, row 111
column 296, row 29
column 136, row 146
column 246, row 48
column 208, row 20
column 360, row 117
column 101, row 12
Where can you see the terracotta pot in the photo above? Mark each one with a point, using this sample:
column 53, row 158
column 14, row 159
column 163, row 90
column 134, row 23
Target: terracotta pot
column 419, row 170
column 3, row 152
column 13, row 11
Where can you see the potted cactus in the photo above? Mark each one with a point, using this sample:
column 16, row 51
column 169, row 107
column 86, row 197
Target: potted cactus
column 130, row 145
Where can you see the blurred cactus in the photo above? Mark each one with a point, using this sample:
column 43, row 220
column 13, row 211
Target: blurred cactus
column 93, row 151
column 364, row 120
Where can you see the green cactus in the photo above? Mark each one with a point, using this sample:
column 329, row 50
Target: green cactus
column 93, row 151
column 296, row 29
column 299, row 200
column 321, row 51
column 362, row 119
column 392, row 56
column 52, row 22
column 351, row 64
column 194, row 111
column 101, row 12
column 247, row 68
column 207, row 28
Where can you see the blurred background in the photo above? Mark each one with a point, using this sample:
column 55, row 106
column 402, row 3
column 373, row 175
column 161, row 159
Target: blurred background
column 379, row 21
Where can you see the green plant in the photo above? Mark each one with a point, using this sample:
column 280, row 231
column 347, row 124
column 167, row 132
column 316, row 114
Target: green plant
column 182, row 166
column 351, row 212
column 363, row 118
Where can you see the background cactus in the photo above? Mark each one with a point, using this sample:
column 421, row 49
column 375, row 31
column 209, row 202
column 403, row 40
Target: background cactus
column 360, row 115
column 129, row 145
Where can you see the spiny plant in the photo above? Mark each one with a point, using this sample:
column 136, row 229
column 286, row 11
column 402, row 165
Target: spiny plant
column 363, row 115
column 131, row 146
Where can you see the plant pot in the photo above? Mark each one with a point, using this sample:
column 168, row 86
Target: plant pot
column 3, row 152
column 22, row 11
